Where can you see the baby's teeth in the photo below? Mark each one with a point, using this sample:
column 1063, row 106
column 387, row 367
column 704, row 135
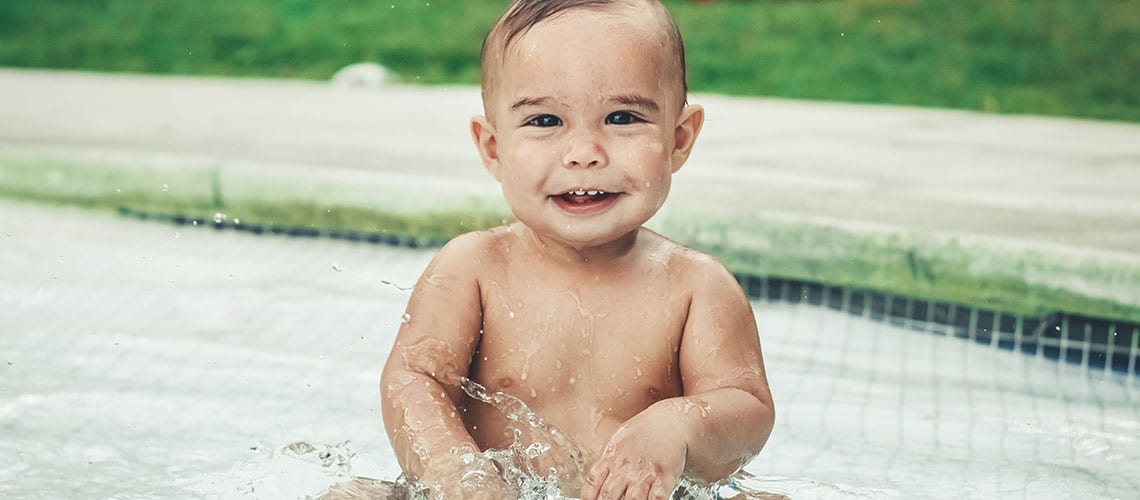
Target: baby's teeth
column 592, row 193
column 579, row 192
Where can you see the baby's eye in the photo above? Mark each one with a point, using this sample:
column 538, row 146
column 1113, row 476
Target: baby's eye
column 621, row 118
column 544, row 121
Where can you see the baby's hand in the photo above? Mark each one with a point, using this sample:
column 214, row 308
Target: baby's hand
column 491, row 489
column 472, row 477
column 643, row 460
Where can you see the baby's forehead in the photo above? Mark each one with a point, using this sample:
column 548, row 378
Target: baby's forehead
column 636, row 17
column 525, row 15
column 643, row 21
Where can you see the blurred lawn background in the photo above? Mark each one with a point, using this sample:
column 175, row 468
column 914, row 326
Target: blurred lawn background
column 1077, row 58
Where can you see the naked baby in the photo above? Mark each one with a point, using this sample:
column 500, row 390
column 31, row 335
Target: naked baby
column 641, row 351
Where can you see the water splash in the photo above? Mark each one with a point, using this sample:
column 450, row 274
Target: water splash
column 336, row 459
column 516, row 463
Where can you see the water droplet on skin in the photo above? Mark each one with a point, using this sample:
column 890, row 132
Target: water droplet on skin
column 511, row 315
column 572, row 380
column 558, row 364
column 533, row 392
column 406, row 318
column 523, row 376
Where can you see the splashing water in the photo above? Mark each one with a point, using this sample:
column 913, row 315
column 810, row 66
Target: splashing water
column 516, row 463
column 337, row 459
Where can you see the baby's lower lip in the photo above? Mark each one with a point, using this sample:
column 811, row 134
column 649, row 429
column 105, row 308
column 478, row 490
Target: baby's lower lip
column 584, row 204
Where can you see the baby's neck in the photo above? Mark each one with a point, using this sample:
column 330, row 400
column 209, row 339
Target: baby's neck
column 606, row 254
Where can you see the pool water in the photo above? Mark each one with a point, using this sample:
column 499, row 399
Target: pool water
column 143, row 360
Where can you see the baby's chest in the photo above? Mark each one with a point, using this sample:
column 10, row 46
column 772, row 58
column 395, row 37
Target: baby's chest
column 612, row 353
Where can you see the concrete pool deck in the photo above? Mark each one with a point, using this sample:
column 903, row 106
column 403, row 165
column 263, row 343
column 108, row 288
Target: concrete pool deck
column 1028, row 213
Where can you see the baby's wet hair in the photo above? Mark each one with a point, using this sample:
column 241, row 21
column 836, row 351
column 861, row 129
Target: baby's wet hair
column 522, row 15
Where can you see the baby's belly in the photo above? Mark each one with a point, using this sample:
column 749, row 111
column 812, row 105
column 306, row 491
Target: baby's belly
column 585, row 412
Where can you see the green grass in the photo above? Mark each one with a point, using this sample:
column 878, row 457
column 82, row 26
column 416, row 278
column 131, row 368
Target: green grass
column 1057, row 57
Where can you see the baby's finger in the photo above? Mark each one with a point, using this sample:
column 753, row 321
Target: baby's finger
column 594, row 481
column 638, row 491
column 660, row 491
column 614, row 489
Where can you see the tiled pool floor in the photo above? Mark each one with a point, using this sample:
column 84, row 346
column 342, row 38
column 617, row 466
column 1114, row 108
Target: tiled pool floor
column 142, row 360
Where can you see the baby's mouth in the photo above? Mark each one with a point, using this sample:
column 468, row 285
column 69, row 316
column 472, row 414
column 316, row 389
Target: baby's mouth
column 585, row 201
column 584, row 196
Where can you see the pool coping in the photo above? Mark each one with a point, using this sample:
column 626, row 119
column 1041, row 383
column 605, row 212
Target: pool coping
column 997, row 275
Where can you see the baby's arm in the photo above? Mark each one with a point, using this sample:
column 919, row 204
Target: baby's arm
column 420, row 383
column 724, row 417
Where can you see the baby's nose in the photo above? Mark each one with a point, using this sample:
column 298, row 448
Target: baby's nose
column 585, row 150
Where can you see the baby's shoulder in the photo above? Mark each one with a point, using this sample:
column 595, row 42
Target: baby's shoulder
column 477, row 250
column 697, row 269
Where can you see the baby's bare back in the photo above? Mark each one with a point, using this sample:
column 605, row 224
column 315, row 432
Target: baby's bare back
column 585, row 347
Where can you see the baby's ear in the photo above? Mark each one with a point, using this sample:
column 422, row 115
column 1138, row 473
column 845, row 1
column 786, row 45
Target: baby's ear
column 484, row 135
column 685, row 135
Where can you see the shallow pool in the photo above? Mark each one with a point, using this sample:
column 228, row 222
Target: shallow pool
column 151, row 361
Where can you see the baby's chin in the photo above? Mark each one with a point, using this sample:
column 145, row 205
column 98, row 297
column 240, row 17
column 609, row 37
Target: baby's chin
column 583, row 237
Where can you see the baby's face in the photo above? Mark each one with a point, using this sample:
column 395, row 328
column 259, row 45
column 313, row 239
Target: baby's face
column 588, row 126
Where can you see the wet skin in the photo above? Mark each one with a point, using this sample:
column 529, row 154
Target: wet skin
column 589, row 349
column 643, row 352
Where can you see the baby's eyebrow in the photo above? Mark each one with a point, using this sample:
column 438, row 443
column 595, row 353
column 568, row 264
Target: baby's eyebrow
column 530, row 101
column 636, row 101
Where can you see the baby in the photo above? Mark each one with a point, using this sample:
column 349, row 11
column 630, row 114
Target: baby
column 640, row 350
